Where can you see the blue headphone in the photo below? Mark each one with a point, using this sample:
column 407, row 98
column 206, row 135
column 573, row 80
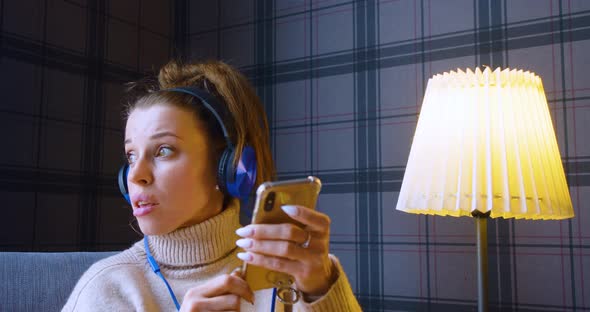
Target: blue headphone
column 234, row 180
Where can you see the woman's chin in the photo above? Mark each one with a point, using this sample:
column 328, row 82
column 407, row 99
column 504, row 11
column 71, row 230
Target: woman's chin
column 152, row 228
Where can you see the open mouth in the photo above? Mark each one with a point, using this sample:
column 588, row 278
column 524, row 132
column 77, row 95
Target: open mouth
column 143, row 208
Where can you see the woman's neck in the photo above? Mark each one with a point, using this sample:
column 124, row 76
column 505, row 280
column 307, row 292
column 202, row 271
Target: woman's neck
column 200, row 243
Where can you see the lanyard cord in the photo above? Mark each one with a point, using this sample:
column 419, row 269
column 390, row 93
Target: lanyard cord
column 156, row 269
column 274, row 299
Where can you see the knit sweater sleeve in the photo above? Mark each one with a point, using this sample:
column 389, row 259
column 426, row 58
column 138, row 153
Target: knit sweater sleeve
column 338, row 298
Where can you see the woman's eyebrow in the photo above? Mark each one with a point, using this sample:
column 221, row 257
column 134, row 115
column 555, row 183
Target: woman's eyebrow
column 165, row 134
column 159, row 135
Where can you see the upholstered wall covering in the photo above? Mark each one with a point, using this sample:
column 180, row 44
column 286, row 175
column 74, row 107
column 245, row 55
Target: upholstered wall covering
column 343, row 83
column 62, row 68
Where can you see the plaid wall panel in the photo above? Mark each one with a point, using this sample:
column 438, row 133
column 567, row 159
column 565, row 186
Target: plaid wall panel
column 343, row 82
column 62, row 66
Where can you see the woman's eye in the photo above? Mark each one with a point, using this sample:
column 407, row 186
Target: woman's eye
column 131, row 158
column 164, row 151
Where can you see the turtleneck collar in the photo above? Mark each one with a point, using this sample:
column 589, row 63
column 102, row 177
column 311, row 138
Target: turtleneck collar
column 199, row 244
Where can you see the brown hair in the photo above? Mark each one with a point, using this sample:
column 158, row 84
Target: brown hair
column 247, row 124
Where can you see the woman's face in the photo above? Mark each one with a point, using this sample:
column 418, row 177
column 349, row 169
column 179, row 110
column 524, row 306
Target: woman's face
column 171, row 176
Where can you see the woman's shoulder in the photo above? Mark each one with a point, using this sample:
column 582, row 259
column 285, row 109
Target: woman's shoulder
column 104, row 277
column 125, row 258
column 130, row 261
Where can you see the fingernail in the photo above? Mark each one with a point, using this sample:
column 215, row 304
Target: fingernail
column 290, row 210
column 244, row 242
column 237, row 271
column 245, row 256
column 245, row 231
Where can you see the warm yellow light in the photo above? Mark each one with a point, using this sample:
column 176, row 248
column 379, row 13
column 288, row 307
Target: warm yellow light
column 485, row 141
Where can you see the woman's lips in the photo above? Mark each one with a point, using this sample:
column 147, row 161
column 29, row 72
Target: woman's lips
column 143, row 210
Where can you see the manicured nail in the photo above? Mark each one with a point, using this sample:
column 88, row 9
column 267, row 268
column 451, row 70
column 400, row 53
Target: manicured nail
column 245, row 231
column 290, row 210
column 246, row 256
column 244, row 242
column 237, row 271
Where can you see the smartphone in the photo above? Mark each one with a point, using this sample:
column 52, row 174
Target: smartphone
column 270, row 196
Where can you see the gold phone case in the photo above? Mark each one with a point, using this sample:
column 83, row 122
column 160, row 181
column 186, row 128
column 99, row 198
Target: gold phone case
column 270, row 196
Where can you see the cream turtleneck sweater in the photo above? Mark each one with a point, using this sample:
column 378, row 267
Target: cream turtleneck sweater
column 187, row 257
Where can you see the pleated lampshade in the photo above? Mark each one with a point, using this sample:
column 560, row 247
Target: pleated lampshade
column 485, row 141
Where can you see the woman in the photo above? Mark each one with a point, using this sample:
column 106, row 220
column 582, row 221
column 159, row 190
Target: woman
column 173, row 144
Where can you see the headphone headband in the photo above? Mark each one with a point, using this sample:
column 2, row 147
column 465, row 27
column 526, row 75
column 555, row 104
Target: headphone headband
column 237, row 179
column 210, row 103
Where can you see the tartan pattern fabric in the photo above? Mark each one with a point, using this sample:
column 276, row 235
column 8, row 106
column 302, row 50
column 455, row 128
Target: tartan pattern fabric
column 343, row 82
column 62, row 66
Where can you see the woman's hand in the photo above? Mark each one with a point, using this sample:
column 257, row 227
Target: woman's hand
column 287, row 248
column 221, row 293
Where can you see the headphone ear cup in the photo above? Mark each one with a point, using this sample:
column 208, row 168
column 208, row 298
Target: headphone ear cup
column 122, row 179
column 240, row 178
column 223, row 169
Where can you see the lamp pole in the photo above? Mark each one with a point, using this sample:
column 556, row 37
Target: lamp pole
column 481, row 224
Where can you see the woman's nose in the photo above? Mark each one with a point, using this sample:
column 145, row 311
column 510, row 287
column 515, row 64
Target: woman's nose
column 140, row 172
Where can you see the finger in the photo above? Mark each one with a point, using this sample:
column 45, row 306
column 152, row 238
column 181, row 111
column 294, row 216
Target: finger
column 282, row 265
column 237, row 272
column 276, row 248
column 284, row 231
column 219, row 303
column 314, row 220
column 228, row 284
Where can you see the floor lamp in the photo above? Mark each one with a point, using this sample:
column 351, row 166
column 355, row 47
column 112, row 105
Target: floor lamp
column 485, row 147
